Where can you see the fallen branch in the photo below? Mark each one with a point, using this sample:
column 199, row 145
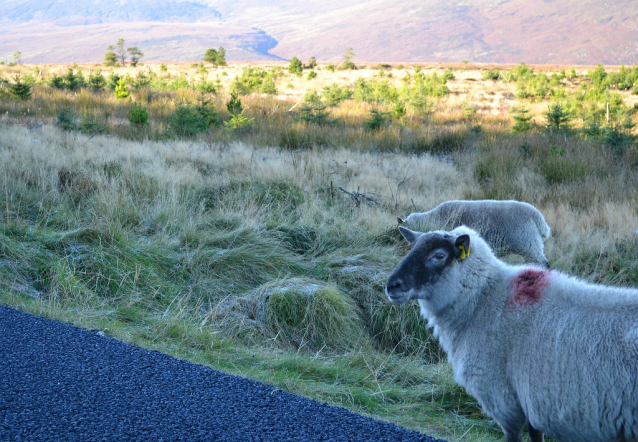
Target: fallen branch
column 359, row 198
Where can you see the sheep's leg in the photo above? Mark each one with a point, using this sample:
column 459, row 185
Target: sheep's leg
column 513, row 433
column 534, row 434
column 513, row 436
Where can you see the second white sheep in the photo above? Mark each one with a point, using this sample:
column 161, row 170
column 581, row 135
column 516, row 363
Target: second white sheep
column 507, row 226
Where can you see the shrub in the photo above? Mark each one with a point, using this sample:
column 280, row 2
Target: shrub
column 121, row 90
column 96, row 81
column 491, row 74
column 295, row 66
column 88, row 124
column 234, row 105
column 398, row 110
column 374, row 91
column 65, row 120
column 254, row 79
column 187, row 121
column 335, row 94
column 314, row 112
column 216, row 56
column 311, row 75
column 268, row 86
column 558, row 117
column 56, row 82
column 19, row 90
column 73, row 81
column 113, row 81
column 137, row 115
column 376, row 120
column 238, row 122
column 522, row 119
column 347, row 60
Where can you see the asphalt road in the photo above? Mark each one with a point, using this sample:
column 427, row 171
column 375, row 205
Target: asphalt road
column 62, row 383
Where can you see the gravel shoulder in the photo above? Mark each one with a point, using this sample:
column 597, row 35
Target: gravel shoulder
column 60, row 382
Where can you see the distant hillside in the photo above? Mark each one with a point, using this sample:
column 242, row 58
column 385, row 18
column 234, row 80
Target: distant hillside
column 504, row 31
column 77, row 13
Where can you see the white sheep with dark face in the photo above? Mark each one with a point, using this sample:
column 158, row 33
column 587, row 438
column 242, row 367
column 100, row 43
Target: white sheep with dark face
column 508, row 226
column 531, row 345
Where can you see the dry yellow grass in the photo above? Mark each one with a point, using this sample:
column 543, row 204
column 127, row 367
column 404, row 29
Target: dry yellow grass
column 217, row 216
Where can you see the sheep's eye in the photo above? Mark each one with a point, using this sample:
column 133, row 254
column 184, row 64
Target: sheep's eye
column 438, row 256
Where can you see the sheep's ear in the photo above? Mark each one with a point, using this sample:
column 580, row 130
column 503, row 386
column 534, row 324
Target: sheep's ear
column 409, row 235
column 462, row 247
column 401, row 221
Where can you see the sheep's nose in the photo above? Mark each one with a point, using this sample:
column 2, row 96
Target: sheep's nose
column 393, row 284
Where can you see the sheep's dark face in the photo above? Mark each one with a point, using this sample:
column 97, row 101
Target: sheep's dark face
column 431, row 258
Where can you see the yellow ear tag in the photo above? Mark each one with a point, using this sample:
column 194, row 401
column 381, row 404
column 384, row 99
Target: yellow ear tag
column 464, row 253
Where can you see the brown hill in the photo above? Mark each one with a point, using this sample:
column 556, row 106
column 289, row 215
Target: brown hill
column 503, row 31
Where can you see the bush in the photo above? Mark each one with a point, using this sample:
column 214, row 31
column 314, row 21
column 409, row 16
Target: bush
column 137, row 115
column 314, row 112
column 398, row 110
column 65, row 120
column 377, row 120
column 187, row 121
column 73, row 81
column 254, row 79
column 56, row 82
column 96, row 81
column 216, row 56
column 295, row 66
column 121, row 90
column 558, row 117
column 88, row 124
column 522, row 119
column 19, row 90
column 335, row 94
column 311, row 75
column 375, row 91
column 238, row 122
column 491, row 74
column 268, row 86
column 234, row 105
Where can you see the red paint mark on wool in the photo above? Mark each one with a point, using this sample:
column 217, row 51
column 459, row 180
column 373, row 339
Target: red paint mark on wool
column 527, row 287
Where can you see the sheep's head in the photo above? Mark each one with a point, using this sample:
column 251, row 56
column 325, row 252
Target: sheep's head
column 430, row 267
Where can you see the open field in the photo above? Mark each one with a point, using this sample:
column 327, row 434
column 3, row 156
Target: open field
column 262, row 248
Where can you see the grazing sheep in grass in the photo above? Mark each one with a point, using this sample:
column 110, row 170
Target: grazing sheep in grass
column 531, row 345
column 508, row 226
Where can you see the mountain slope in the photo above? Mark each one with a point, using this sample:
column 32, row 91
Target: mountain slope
column 74, row 13
column 536, row 31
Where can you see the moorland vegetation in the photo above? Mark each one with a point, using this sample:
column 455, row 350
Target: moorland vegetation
column 244, row 216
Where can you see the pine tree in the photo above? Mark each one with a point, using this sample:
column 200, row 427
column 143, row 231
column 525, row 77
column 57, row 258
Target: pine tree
column 295, row 66
column 216, row 56
column 110, row 59
column 121, row 90
column 347, row 60
column 19, row 90
column 234, row 105
column 558, row 117
column 136, row 55
column 120, row 51
column 522, row 120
